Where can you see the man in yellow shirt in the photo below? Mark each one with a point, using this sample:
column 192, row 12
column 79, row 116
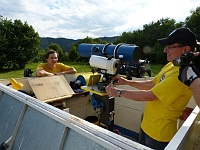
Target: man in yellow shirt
column 53, row 67
column 166, row 97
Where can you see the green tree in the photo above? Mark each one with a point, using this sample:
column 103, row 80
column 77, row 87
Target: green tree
column 58, row 49
column 193, row 22
column 3, row 41
column 40, row 56
column 148, row 37
column 19, row 43
column 72, row 53
column 155, row 30
column 158, row 29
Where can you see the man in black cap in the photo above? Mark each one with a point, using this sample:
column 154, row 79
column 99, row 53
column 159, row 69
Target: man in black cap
column 166, row 97
column 182, row 39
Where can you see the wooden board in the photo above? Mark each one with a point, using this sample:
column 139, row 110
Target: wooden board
column 51, row 88
column 80, row 106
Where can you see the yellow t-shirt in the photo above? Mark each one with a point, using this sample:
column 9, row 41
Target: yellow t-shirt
column 160, row 116
column 60, row 67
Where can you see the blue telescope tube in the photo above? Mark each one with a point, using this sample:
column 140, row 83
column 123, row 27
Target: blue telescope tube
column 131, row 53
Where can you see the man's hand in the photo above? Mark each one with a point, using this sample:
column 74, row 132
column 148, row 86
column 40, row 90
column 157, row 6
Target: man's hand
column 111, row 91
column 120, row 80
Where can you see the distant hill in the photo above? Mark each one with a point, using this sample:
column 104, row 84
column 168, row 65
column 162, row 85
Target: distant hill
column 109, row 39
column 65, row 43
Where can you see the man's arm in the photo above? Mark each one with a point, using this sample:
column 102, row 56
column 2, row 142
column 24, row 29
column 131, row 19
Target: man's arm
column 138, row 95
column 69, row 71
column 142, row 85
column 43, row 73
column 195, row 87
column 187, row 74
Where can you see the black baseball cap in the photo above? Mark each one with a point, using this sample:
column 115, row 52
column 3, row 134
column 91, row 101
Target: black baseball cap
column 180, row 35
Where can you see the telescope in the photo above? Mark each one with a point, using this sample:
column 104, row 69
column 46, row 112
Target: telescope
column 125, row 52
column 111, row 60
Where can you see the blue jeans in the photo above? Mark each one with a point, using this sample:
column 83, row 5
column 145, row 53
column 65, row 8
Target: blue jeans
column 151, row 143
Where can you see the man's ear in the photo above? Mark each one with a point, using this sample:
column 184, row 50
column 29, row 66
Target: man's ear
column 187, row 49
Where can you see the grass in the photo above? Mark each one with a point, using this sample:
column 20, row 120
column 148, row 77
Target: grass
column 80, row 67
column 155, row 69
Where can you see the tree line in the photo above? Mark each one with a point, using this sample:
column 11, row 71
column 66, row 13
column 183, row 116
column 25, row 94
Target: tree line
column 20, row 44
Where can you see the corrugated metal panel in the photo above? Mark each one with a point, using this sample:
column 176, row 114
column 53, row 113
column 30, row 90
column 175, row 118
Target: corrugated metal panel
column 38, row 131
column 44, row 127
column 10, row 109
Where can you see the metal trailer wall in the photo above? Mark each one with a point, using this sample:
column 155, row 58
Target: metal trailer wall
column 29, row 124
column 188, row 136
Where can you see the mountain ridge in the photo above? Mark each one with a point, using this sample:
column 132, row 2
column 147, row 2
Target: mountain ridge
column 65, row 43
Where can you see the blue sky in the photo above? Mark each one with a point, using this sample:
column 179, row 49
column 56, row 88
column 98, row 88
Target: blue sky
column 78, row 19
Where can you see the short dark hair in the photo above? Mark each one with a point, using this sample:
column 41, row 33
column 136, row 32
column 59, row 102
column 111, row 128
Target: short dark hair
column 50, row 52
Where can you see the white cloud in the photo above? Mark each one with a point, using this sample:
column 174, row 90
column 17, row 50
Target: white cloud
column 80, row 18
